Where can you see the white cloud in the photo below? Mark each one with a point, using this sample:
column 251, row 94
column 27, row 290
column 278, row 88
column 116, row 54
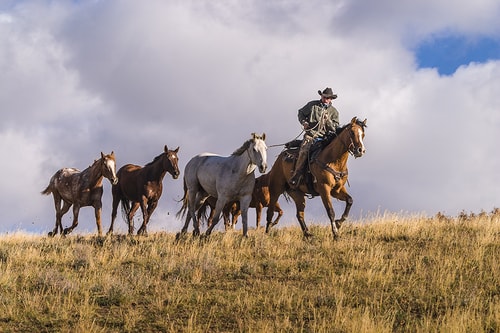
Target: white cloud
column 81, row 78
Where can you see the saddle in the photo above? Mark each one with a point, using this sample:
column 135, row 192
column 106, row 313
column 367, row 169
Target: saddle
column 291, row 154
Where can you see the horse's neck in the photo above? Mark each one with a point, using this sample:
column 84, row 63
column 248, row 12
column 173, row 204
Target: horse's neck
column 243, row 163
column 337, row 151
column 156, row 171
column 92, row 176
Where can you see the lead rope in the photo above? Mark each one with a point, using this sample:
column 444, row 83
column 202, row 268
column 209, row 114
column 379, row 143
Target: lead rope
column 282, row 144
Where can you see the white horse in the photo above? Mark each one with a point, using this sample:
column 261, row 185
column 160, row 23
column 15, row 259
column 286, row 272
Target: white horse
column 228, row 179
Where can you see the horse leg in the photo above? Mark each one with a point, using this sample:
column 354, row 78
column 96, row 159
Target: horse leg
column 258, row 214
column 151, row 206
column 270, row 212
column 210, row 216
column 59, row 214
column 300, row 205
column 225, row 216
column 97, row 213
column 235, row 212
column 325, row 192
column 278, row 209
column 219, row 206
column 273, row 200
column 277, row 185
column 130, row 217
column 343, row 196
column 244, row 204
column 116, row 202
column 195, row 203
column 76, row 211
column 145, row 216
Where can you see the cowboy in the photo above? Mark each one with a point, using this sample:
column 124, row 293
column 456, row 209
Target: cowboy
column 317, row 117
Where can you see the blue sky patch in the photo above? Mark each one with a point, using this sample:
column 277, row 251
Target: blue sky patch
column 450, row 52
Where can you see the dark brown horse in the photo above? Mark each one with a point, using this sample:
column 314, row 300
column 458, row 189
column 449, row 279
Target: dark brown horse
column 329, row 175
column 142, row 186
column 80, row 189
column 260, row 199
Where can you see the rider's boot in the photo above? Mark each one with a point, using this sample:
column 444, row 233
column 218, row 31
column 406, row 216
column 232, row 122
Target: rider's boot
column 299, row 166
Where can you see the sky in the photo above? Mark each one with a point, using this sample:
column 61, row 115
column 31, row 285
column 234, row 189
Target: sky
column 84, row 77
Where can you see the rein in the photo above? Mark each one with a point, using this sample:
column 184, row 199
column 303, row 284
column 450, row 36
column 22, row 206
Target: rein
column 351, row 147
column 283, row 144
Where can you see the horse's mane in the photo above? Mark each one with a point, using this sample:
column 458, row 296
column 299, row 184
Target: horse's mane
column 155, row 159
column 332, row 135
column 243, row 148
column 342, row 128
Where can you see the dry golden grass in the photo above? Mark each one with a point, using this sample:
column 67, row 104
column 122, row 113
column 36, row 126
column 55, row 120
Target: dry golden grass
column 392, row 274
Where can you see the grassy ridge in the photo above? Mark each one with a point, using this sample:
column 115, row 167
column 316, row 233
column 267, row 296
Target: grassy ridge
column 395, row 273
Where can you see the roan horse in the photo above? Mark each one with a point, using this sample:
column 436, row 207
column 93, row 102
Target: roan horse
column 329, row 172
column 80, row 189
column 143, row 187
column 228, row 179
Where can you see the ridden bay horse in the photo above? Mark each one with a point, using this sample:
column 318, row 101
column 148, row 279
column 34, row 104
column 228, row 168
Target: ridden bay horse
column 329, row 172
column 228, row 179
column 142, row 186
column 80, row 189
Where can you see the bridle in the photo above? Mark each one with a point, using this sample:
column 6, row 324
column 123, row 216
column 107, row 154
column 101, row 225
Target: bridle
column 351, row 148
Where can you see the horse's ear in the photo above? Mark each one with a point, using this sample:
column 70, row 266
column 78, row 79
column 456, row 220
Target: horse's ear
column 102, row 155
column 176, row 150
column 364, row 123
column 112, row 153
column 353, row 120
column 263, row 136
column 165, row 149
column 253, row 135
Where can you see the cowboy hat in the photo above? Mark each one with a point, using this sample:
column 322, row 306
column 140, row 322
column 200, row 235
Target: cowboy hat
column 327, row 93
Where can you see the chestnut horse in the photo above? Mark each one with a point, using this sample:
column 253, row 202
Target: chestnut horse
column 143, row 187
column 210, row 202
column 260, row 199
column 227, row 178
column 329, row 172
column 80, row 189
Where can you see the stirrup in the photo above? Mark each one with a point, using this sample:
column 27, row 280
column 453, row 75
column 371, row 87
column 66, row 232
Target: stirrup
column 295, row 181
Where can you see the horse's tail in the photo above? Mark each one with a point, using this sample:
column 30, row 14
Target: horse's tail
column 202, row 213
column 47, row 191
column 182, row 212
column 287, row 196
column 125, row 208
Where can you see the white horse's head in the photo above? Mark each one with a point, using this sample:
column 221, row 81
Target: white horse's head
column 108, row 167
column 258, row 151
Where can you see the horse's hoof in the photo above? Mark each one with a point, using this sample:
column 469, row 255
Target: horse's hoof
column 308, row 235
column 66, row 231
column 142, row 232
column 180, row 236
column 51, row 234
column 338, row 223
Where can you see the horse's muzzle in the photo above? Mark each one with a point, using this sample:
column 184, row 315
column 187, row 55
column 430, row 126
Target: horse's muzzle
column 263, row 168
column 359, row 152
